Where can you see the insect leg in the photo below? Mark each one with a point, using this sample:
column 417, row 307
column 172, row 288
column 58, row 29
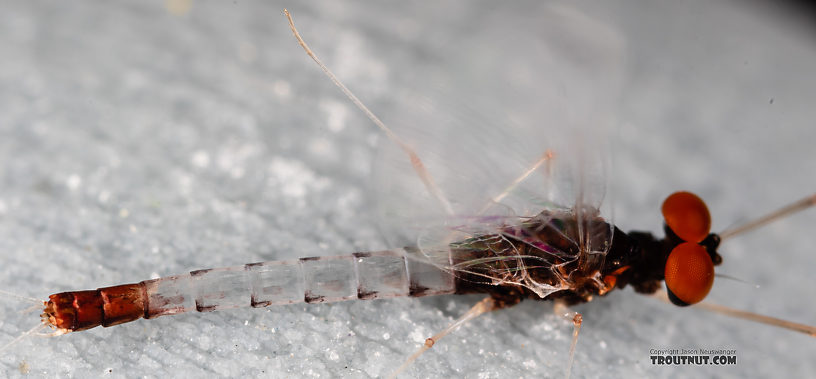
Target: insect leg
column 745, row 315
column 486, row 305
column 560, row 308
column 548, row 157
column 780, row 213
column 416, row 162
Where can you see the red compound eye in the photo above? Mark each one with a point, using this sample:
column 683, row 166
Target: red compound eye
column 689, row 273
column 687, row 216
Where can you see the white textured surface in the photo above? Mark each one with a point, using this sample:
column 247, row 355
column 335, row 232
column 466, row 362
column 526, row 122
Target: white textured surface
column 138, row 143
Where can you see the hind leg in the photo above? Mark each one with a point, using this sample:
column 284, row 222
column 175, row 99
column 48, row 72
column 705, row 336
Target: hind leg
column 561, row 309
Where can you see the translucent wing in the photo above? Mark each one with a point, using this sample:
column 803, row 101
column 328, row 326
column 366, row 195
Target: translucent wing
column 510, row 214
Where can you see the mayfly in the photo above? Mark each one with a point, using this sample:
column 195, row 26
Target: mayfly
column 568, row 253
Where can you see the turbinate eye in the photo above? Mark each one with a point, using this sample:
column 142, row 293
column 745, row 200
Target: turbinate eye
column 687, row 216
column 689, row 274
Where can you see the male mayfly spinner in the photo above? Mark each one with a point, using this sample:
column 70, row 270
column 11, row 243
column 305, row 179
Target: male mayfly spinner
column 565, row 254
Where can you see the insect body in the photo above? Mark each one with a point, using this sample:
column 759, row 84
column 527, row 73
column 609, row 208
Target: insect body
column 559, row 279
column 569, row 256
column 539, row 258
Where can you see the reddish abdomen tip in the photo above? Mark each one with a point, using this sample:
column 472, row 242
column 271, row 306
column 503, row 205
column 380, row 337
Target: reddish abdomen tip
column 81, row 310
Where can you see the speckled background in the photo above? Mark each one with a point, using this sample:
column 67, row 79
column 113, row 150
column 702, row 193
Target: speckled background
column 141, row 140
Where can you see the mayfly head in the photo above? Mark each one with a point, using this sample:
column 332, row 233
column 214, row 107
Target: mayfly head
column 689, row 267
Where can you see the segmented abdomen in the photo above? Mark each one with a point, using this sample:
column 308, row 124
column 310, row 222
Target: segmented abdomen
column 381, row 274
